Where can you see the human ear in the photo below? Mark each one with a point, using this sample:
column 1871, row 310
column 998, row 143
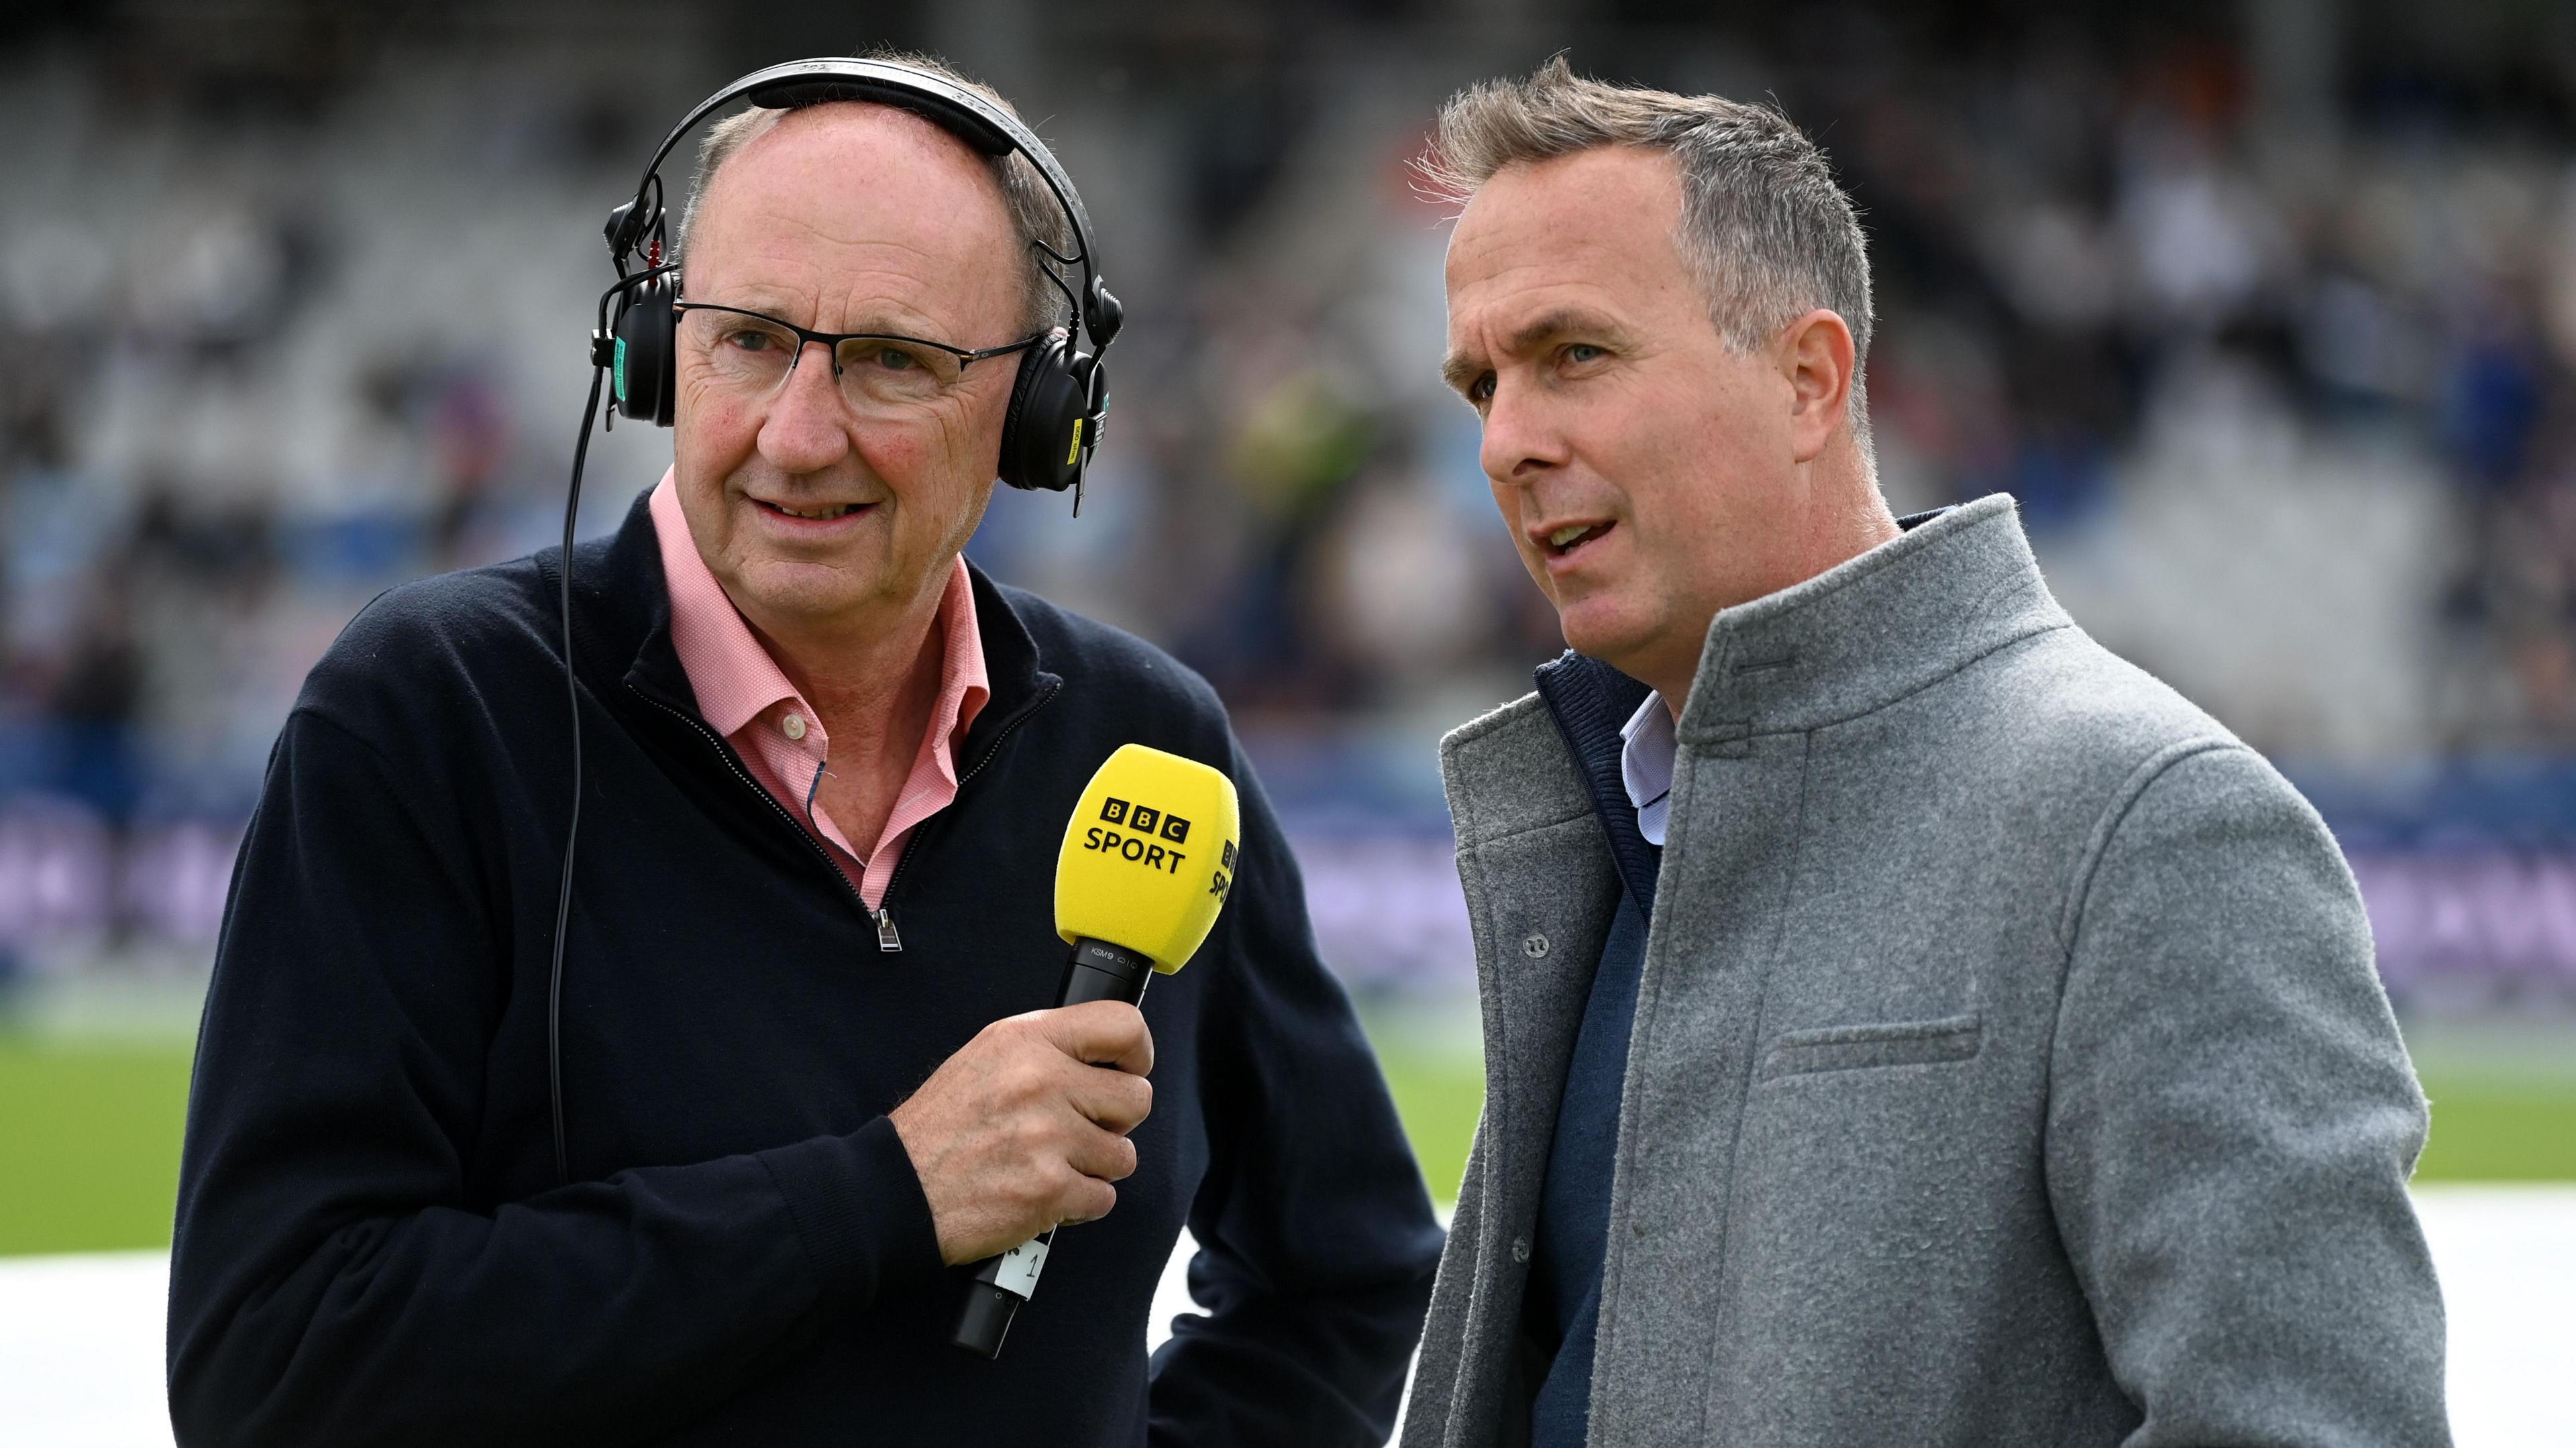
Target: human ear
column 1816, row 359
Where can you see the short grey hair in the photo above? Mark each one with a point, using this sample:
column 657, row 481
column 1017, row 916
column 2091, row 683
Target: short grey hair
column 1765, row 229
column 1035, row 216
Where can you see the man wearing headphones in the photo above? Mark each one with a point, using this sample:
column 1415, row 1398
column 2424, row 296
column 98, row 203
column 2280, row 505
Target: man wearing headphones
column 700, row 1178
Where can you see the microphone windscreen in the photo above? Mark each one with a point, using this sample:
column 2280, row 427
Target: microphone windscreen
column 1149, row 856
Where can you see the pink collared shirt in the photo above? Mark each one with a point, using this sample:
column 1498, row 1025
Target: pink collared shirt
column 746, row 697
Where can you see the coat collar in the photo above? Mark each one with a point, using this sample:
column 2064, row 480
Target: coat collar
column 1948, row 591
column 1957, row 585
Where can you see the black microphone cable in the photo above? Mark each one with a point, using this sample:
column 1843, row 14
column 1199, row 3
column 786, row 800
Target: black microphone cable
column 572, row 827
column 602, row 359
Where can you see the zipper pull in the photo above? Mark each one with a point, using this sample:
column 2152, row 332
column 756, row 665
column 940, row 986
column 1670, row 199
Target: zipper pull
column 887, row 941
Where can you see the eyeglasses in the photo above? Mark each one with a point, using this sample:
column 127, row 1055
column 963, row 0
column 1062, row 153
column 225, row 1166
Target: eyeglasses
column 751, row 353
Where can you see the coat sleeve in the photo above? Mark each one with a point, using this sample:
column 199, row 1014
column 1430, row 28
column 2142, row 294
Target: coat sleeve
column 1317, row 1243
column 333, row 1283
column 1440, row 1365
column 2232, row 1122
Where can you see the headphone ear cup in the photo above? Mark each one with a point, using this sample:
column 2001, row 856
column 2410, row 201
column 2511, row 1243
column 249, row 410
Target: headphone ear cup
column 646, row 329
column 1043, row 433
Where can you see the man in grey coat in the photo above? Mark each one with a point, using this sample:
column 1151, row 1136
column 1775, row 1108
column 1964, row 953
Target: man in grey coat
column 1905, row 1022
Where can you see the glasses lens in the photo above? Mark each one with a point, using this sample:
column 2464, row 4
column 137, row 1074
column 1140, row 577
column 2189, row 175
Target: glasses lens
column 746, row 354
column 891, row 372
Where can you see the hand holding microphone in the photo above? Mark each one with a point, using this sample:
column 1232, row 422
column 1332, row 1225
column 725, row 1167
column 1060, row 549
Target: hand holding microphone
column 1019, row 1130
column 1146, row 864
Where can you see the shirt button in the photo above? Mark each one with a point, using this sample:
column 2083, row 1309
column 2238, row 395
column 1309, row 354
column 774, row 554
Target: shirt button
column 793, row 726
column 1520, row 1249
column 1535, row 947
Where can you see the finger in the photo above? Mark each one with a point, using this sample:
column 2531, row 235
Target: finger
column 1117, row 1101
column 1107, row 1033
column 1098, row 1154
column 1086, row 1199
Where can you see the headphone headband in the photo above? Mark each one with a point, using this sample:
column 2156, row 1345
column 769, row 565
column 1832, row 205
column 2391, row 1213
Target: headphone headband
column 963, row 113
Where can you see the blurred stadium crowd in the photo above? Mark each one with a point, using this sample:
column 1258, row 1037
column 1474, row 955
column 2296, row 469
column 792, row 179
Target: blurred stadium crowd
column 2265, row 312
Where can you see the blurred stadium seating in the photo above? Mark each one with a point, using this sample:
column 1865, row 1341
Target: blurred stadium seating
column 2265, row 311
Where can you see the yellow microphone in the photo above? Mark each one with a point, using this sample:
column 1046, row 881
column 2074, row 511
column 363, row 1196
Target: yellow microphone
column 1147, row 861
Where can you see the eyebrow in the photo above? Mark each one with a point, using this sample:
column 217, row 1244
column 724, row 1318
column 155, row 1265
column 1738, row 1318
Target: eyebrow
column 1460, row 369
column 778, row 308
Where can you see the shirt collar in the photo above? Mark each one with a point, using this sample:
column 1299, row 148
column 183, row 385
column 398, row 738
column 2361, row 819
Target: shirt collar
column 1646, row 751
column 964, row 686
column 731, row 671
column 1587, row 699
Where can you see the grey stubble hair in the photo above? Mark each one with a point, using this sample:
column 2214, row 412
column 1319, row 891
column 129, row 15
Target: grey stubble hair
column 1765, row 229
column 1035, row 216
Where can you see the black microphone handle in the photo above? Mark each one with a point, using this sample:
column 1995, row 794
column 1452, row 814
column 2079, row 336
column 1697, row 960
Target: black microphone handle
column 996, row 1286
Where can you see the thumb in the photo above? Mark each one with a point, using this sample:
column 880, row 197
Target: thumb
column 1102, row 1033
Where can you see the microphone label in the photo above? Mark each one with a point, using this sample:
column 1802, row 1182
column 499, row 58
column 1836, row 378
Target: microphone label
column 1144, row 819
column 1139, row 848
column 1020, row 1266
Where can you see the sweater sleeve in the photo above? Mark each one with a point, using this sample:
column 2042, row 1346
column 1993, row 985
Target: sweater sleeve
column 2232, row 1122
column 1316, row 1240
column 331, row 1281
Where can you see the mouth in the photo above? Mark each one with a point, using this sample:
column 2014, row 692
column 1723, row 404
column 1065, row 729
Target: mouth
column 813, row 513
column 1568, row 539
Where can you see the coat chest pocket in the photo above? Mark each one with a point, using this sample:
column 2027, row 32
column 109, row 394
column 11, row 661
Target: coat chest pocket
column 1851, row 1048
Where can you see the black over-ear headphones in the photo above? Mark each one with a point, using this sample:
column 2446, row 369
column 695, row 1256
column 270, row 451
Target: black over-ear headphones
column 1058, row 401
column 1061, row 396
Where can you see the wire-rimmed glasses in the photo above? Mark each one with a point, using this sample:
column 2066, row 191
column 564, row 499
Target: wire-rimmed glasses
column 752, row 353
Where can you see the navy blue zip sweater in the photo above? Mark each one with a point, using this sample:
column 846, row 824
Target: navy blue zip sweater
column 373, row 1246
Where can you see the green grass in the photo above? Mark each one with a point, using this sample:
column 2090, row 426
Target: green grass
column 89, row 1143
column 1438, row 1093
column 2486, row 1129
column 89, row 1132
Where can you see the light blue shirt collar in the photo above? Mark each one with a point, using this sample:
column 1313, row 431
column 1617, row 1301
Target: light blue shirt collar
column 1646, row 765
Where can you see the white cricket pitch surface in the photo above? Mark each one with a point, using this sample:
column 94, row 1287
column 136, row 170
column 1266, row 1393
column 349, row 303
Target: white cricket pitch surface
column 80, row 1336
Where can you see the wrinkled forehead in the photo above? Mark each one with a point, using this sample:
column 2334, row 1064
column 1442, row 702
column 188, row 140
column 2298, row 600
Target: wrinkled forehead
column 1595, row 230
column 848, row 215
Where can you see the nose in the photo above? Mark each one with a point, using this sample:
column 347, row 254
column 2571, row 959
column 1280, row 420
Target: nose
column 1522, row 441
column 807, row 429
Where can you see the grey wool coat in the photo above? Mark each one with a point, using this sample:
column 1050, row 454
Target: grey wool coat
column 2009, row 1066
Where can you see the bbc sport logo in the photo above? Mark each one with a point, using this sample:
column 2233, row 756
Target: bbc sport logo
column 1144, row 819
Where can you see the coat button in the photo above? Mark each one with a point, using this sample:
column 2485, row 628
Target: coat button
column 1520, row 1249
column 1535, row 947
